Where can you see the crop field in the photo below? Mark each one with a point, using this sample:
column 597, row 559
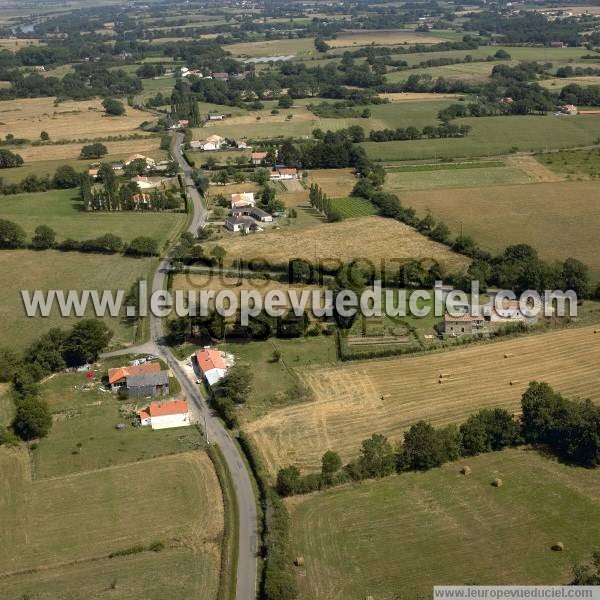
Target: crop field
column 492, row 136
column 476, row 71
column 14, row 44
column 62, row 210
column 30, row 270
column 148, row 146
column 558, row 219
column 334, row 182
column 383, row 37
column 454, row 178
column 371, row 238
column 354, row 207
column 65, row 524
column 418, row 96
column 302, row 47
column 26, row 118
column 573, row 163
column 560, row 82
column 371, row 539
column 356, row 399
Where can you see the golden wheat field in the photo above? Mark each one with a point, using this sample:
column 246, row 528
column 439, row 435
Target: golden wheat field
column 371, row 238
column 357, row 399
column 382, row 37
column 336, row 183
column 27, row 118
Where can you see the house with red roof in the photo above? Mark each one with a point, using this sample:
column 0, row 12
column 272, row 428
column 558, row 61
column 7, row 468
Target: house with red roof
column 164, row 415
column 212, row 365
column 117, row 377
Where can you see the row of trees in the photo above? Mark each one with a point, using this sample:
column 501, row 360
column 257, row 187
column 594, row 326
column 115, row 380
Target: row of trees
column 52, row 352
column 64, row 177
column 571, row 429
column 323, row 203
column 9, row 160
column 446, row 130
column 13, row 236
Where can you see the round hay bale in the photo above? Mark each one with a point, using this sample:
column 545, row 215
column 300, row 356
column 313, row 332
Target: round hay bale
column 466, row 470
column 558, row 547
column 515, row 381
column 497, row 482
column 299, row 561
column 508, row 355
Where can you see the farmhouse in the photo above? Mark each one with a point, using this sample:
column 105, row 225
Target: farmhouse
column 164, row 415
column 242, row 223
column 141, row 198
column 150, row 162
column 221, row 76
column 284, row 173
column 216, row 117
column 464, row 324
column 568, row 109
column 242, row 199
column 93, row 173
column 148, row 384
column 212, row 142
column 211, row 364
column 242, row 144
column 144, row 183
column 258, row 157
column 117, row 377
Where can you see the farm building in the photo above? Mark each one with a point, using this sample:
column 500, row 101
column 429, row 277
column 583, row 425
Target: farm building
column 221, row 76
column 144, row 183
column 117, row 377
column 251, row 211
column 464, row 324
column 282, row 173
column 568, row 109
column 216, row 117
column 148, row 384
column 242, row 199
column 212, row 142
column 93, row 173
column 164, row 415
column 242, row 223
column 258, row 157
column 242, row 144
column 211, row 364
column 150, row 162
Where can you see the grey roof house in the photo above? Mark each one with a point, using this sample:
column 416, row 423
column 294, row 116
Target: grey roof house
column 148, row 384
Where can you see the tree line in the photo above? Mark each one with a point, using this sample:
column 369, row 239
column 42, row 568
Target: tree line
column 568, row 428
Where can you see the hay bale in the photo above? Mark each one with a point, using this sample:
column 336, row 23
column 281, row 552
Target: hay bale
column 515, row 381
column 497, row 482
column 299, row 561
column 596, row 330
column 466, row 470
column 445, row 375
column 369, row 598
column 508, row 355
column 558, row 547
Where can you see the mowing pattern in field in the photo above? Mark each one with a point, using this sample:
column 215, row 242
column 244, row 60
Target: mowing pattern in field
column 54, row 522
column 558, row 219
column 406, row 533
column 372, row 238
column 387, row 396
column 354, row 207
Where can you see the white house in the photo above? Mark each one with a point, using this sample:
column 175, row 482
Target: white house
column 258, row 157
column 164, row 415
column 216, row 117
column 242, row 199
column 212, row 142
column 260, row 215
column 211, row 364
column 284, row 173
column 242, row 223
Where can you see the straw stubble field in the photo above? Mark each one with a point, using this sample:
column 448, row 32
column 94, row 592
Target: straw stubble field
column 357, row 399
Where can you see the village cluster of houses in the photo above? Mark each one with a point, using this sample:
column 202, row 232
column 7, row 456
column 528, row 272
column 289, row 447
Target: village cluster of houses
column 186, row 72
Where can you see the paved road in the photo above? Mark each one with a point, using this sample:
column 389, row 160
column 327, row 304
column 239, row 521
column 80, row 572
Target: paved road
column 199, row 213
column 246, row 581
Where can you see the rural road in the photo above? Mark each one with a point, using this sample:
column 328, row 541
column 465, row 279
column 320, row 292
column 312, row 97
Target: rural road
column 246, row 580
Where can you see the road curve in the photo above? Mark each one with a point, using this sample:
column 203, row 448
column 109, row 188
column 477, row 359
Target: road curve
column 246, row 581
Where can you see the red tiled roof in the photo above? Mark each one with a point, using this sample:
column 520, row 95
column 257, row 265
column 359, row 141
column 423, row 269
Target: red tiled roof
column 162, row 409
column 209, row 359
column 119, row 373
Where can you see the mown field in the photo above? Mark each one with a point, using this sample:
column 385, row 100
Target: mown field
column 404, row 534
column 64, row 529
column 372, row 238
column 27, row 118
column 574, row 164
column 384, row 37
column 62, row 210
column 356, row 399
column 558, row 219
column 30, row 270
column 302, row 47
column 492, row 136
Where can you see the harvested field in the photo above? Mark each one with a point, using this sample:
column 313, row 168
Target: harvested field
column 533, row 168
column 304, row 47
column 372, row 238
column 374, row 538
column 336, row 183
column 147, row 146
column 356, row 399
column 561, row 82
column 85, row 517
column 26, row 118
column 382, row 37
column 418, row 96
column 14, row 44
column 557, row 219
